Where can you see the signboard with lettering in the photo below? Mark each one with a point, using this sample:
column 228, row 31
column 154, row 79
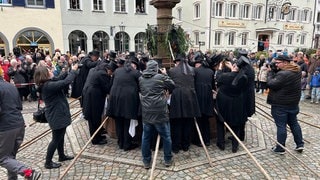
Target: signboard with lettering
column 293, row 27
column 231, row 24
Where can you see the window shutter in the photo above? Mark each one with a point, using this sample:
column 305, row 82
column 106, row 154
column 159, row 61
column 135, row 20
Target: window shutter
column 213, row 13
column 254, row 12
column 19, row 3
column 50, row 3
column 227, row 10
column 241, row 12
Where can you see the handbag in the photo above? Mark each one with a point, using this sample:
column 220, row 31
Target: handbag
column 39, row 115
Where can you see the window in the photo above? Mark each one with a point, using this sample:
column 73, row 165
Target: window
column 197, row 11
column 140, row 6
column 196, row 38
column 120, row 5
column 258, row 11
column 5, row 2
column 100, row 41
column 305, row 15
column 77, row 41
column 280, row 38
column 272, row 12
column 290, row 39
column 74, row 4
column 97, row 5
column 303, row 39
column 139, row 42
column 179, row 14
column 35, row 3
column 244, row 38
column 231, row 38
column 218, row 9
column 217, row 38
column 282, row 16
column 233, row 10
column 292, row 15
column 245, row 11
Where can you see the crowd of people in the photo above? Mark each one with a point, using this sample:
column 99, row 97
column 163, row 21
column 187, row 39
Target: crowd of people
column 130, row 86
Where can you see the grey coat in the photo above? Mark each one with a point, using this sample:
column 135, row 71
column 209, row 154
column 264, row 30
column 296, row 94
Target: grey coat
column 152, row 94
column 57, row 107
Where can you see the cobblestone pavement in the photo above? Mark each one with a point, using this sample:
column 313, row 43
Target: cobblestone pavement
column 108, row 162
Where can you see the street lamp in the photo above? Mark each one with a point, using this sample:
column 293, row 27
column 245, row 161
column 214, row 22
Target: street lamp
column 122, row 29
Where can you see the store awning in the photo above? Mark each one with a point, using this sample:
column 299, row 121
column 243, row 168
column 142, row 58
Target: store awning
column 267, row 30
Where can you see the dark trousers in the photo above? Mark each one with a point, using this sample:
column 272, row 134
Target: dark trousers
column 242, row 131
column 204, row 127
column 180, row 132
column 122, row 128
column 220, row 132
column 57, row 143
column 93, row 126
column 236, row 130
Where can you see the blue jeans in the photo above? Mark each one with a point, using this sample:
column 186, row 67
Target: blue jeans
column 284, row 116
column 164, row 131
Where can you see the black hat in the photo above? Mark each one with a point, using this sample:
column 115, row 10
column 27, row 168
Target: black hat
column 243, row 52
column 215, row 59
column 144, row 58
column 132, row 54
column 180, row 57
column 198, row 58
column 94, row 53
column 121, row 61
column 112, row 66
column 242, row 61
column 283, row 58
column 134, row 60
column 113, row 54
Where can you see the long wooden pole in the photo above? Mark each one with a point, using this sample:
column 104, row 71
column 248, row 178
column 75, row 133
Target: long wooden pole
column 202, row 143
column 155, row 157
column 83, row 148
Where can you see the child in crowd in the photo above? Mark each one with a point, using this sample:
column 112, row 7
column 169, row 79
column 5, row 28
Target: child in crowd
column 256, row 73
column 262, row 77
column 315, row 85
column 304, row 83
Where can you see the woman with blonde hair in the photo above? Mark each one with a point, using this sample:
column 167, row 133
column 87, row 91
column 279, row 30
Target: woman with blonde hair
column 57, row 109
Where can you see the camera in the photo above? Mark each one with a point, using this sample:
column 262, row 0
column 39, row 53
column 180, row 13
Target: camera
column 273, row 66
column 77, row 62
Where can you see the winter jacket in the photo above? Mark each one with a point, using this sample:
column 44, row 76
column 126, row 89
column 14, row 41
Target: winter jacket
column 57, row 107
column 153, row 99
column 315, row 80
column 285, row 86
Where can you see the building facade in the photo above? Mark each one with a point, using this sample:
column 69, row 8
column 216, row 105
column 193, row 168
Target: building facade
column 74, row 25
column 255, row 25
column 30, row 24
column 105, row 24
column 317, row 25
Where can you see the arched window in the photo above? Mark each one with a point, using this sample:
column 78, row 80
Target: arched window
column 100, row 41
column 77, row 41
column 2, row 47
column 30, row 39
column 139, row 41
column 121, row 41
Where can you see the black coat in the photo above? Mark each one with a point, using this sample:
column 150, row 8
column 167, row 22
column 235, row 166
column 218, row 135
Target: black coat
column 230, row 98
column 124, row 94
column 184, row 101
column 94, row 93
column 204, row 83
column 57, row 107
column 79, row 82
column 249, row 99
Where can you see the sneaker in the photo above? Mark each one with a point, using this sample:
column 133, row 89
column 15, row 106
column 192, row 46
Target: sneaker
column 168, row 163
column 311, row 101
column 30, row 174
column 147, row 165
column 317, row 102
column 299, row 149
column 278, row 151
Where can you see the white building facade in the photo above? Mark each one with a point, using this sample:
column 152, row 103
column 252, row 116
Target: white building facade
column 254, row 25
column 317, row 25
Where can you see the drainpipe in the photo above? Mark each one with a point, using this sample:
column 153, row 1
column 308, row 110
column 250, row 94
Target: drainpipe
column 210, row 19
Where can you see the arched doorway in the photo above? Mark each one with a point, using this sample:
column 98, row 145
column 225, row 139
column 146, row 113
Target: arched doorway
column 263, row 42
column 4, row 49
column 31, row 39
column 121, row 41
column 100, row 41
column 77, row 41
column 139, row 42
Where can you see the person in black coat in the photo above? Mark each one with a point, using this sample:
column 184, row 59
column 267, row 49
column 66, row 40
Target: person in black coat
column 94, row 94
column 184, row 105
column 230, row 99
column 87, row 63
column 124, row 102
column 57, row 109
column 204, row 83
